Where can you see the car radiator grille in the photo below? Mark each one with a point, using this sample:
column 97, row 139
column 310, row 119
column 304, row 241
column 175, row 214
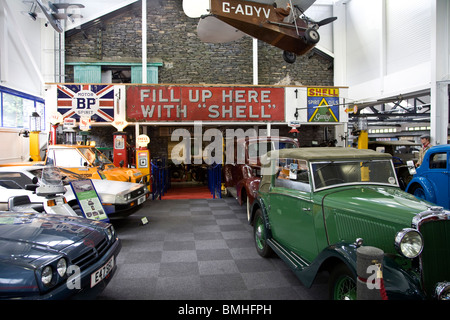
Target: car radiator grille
column 90, row 256
column 137, row 193
column 436, row 253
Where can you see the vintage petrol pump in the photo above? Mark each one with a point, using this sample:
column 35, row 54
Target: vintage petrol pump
column 143, row 157
column 120, row 149
column 35, row 129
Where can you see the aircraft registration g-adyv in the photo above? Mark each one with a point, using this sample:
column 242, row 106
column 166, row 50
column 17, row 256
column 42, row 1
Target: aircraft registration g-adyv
column 281, row 23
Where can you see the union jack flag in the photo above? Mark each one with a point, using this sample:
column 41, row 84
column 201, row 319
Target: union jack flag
column 95, row 101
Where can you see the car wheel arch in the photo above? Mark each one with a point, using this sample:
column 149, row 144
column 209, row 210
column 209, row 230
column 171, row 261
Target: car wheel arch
column 242, row 195
column 257, row 204
column 427, row 187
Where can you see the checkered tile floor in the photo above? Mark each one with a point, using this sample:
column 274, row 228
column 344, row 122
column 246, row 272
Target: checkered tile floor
column 199, row 249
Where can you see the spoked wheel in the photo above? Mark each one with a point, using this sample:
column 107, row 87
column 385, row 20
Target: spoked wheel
column 289, row 57
column 259, row 234
column 342, row 284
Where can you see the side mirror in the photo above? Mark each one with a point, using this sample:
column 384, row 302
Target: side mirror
column 31, row 187
column 411, row 167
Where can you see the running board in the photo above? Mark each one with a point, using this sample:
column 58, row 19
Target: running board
column 292, row 259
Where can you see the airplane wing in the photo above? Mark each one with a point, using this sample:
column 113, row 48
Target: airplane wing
column 302, row 4
column 196, row 8
column 52, row 20
column 56, row 6
column 212, row 30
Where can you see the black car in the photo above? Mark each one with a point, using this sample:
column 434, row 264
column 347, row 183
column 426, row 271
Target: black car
column 55, row 257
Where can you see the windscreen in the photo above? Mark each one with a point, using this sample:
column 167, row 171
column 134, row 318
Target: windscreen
column 94, row 156
column 328, row 174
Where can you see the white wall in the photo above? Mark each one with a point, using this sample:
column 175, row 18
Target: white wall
column 26, row 63
column 384, row 47
column 20, row 49
column 387, row 48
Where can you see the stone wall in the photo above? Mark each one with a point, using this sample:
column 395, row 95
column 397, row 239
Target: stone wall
column 172, row 39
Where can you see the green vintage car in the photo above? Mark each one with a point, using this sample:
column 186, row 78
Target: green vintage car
column 316, row 206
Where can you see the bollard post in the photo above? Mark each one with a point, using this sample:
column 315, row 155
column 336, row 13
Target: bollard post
column 369, row 268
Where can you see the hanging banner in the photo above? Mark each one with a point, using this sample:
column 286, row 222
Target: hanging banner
column 88, row 200
column 180, row 103
column 323, row 105
column 94, row 101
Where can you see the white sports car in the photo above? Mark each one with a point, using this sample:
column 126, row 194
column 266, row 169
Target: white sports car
column 117, row 197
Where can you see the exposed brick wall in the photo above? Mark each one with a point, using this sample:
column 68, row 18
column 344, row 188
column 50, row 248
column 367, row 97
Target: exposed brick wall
column 172, row 39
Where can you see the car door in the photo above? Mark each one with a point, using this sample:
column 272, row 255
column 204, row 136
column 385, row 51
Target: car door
column 290, row 208
column 438, row 173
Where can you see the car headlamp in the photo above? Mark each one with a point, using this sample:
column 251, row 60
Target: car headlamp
column 110, row 233
column 61, row 267
column 442, row 291
column 47, row 275
column 409, row 243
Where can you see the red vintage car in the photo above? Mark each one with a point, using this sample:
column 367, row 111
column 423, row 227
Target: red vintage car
column 242, row 177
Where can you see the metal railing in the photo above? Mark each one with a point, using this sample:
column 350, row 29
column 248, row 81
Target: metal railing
column 215, row 180
column 160, row 178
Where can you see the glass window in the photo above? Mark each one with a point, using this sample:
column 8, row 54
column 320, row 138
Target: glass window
column 292, row 174
column 94, row 156
column 327, row 174
column 13, row 115
column 14, row 180
column 18, row 107
column 68, row 158
column 438, row 160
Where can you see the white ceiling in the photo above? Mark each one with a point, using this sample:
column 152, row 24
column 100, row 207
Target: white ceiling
column 92, row 9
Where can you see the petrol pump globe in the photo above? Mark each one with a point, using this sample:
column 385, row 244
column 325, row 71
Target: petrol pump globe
column 35, row 128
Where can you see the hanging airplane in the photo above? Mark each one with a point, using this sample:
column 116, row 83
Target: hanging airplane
column 53, row 15
column 280, row 23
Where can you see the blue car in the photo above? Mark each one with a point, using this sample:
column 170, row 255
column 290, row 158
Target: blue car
column 431, row 182
column 55, row 257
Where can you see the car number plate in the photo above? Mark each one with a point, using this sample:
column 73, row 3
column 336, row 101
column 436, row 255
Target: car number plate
column 141, row 200
column 102, row 273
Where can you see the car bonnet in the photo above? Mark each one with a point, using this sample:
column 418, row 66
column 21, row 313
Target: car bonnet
column 385, row 203
column 29, row 236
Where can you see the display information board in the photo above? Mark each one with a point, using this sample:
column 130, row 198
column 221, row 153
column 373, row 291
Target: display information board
column 88, row 200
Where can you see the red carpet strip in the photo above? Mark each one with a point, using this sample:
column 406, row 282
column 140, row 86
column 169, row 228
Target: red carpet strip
column 187, row 192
